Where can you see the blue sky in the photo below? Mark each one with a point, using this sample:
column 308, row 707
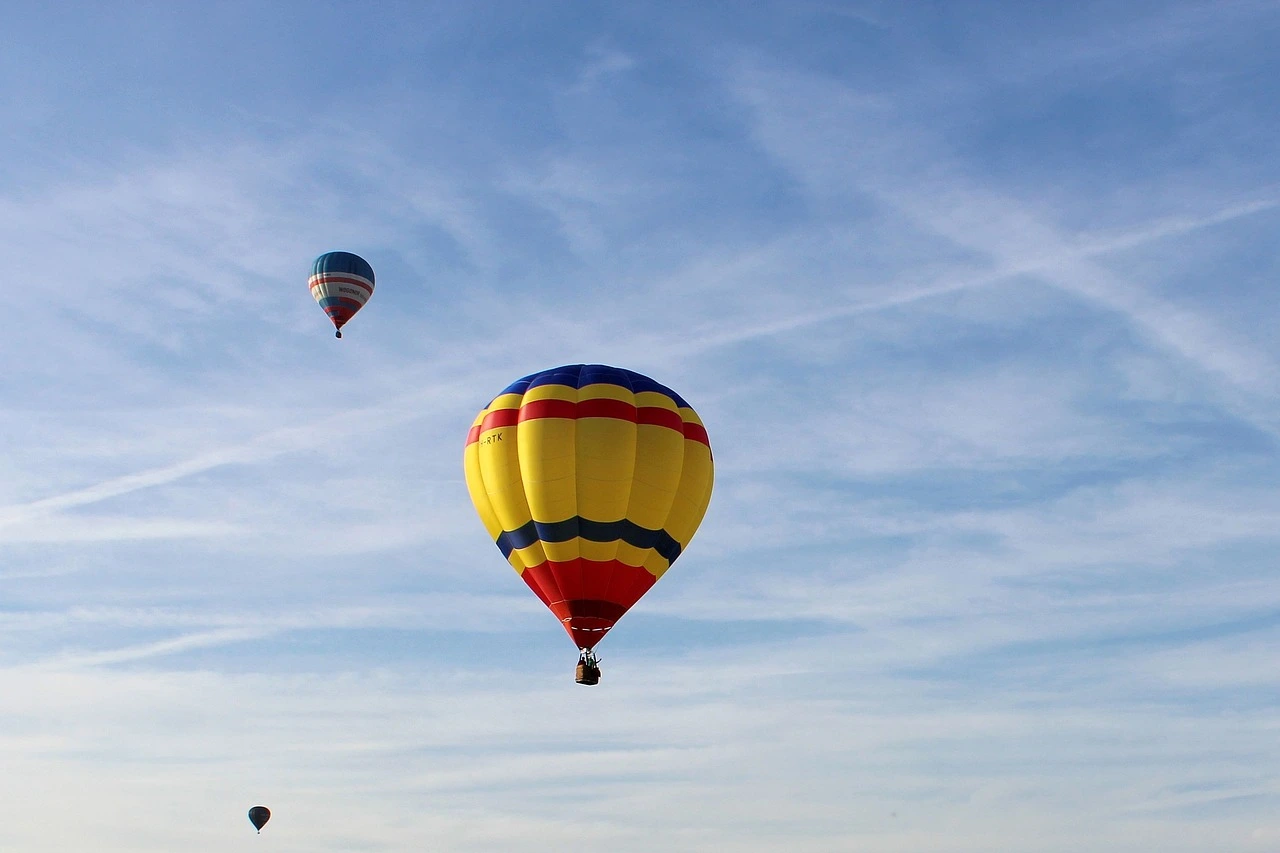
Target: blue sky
column 977, row 301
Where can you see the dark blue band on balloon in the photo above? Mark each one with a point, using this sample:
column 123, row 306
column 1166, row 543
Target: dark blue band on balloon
column 340, row 262
column 582, row 375
column 593, row 531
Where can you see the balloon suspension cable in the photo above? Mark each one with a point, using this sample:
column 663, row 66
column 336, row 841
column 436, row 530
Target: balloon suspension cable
column 588, row 657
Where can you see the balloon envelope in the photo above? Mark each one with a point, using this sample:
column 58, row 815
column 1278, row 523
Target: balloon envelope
column 341, row 283
column 591, row 480
column 258, row 816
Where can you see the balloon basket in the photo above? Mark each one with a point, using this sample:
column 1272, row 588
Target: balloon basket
column 587, row 674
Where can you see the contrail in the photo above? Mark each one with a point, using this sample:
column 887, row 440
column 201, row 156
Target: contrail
column 711, row 338
column 173, row 645
column 277, row 442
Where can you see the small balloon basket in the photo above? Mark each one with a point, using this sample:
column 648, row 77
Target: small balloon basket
column 588, row 671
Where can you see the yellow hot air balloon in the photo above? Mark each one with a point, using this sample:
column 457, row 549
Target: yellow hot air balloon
column 591, row 480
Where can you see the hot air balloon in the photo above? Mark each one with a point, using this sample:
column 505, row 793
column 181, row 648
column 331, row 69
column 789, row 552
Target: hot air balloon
column 258, row 816
column 591, row 480
column 342, row 283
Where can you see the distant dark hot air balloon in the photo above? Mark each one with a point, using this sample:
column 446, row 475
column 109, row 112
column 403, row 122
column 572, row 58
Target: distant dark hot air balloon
column 258, row 816
column 342, row 283
column 591, row 480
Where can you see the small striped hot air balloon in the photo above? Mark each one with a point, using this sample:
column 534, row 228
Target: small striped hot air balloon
column 591, row 480
column 342, row 283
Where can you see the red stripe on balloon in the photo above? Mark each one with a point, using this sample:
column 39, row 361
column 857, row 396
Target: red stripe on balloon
column 535, row 409
column 658, row 416
column 605, row 408
column 696, row 432
column 499, row 418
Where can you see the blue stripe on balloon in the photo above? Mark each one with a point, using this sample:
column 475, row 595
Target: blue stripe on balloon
column 504, row 544
column 343, row 262
column 581, row 375
column 593, row 531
